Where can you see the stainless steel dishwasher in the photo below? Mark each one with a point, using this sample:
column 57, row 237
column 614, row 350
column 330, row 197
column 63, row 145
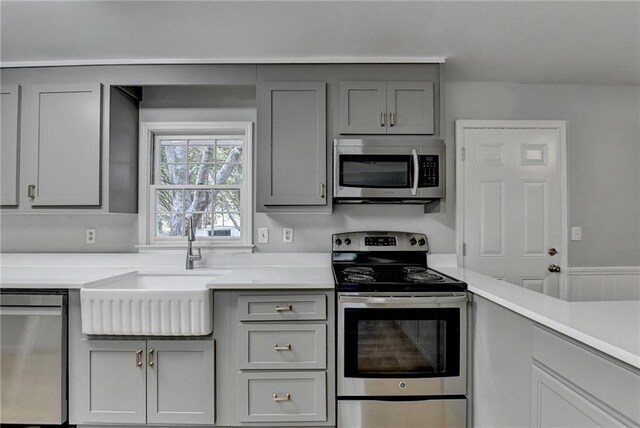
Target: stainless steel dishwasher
column 33, row 357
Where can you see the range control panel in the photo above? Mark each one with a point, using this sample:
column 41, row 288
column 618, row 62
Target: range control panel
column 380, row 241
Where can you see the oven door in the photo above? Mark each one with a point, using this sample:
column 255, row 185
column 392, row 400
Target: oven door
column 402, row 346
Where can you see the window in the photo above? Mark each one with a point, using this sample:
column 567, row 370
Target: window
column 205, row 176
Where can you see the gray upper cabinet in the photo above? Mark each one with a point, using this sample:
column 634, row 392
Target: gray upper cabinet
column 291, row 144
column 67, row 120
column 9, row 144
column 386, row 107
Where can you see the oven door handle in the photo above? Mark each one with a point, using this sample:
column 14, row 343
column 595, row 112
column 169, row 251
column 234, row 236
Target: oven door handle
column 416, row 172
column 404, row 301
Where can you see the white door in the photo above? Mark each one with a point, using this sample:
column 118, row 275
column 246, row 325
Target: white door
column 512, row 200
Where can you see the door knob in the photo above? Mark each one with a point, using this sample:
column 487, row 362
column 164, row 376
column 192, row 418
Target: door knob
column 553, row 251
column 554, row 268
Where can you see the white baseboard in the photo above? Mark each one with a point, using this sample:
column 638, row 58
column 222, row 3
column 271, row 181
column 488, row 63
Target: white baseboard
column 603, row 283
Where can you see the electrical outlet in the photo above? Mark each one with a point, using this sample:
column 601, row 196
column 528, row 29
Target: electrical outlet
column 287, row 235
column 263, row 235
column 576, row 233
column 91, row 236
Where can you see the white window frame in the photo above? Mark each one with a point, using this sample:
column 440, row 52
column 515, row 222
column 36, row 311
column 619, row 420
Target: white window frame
column 146, row 212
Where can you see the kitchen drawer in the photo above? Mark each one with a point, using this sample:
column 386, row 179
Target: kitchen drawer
column 283, row 346
column 614, row 384
column 282, row 396
column 279, row 308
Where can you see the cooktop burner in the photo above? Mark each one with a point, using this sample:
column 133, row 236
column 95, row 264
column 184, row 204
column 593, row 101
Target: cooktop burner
column 386, row 261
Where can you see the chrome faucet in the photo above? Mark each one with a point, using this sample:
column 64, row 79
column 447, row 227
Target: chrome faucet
column 191, row 236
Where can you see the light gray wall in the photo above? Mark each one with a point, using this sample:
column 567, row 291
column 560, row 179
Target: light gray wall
column 604, row 171
column 603, row 139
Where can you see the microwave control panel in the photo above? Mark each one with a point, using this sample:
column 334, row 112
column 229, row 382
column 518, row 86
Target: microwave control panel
column 429, row 171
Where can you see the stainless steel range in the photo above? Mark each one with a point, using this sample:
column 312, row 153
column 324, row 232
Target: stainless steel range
column 402, row 334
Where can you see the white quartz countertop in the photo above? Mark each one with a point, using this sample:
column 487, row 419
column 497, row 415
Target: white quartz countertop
column 612, row 327
column 275, row 277
column 67, row 277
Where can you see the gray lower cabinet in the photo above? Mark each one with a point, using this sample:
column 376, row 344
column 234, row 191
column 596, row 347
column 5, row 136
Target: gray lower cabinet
column 282, row 358
column 153, row 382
column 291, row 148
column 67, row 134
column 9, row 144
column 386, row 107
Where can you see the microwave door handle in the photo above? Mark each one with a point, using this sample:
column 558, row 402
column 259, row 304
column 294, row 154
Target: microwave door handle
column 416, row 172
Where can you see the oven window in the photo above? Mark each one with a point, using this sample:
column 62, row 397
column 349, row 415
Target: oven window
column 375, row 171
column 402, row 342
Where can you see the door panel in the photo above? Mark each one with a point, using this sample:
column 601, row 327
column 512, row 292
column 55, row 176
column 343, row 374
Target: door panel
column 9, row 144
column 180, row 382
column 363, row 107
column 512, row 201
column 116, row 384
column 411, row 104
column 68, row 128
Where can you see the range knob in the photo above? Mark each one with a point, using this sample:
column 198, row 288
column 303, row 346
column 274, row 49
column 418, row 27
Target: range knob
column 422, row 241
column 347, row 241
column 413, row 241
column 338, row 241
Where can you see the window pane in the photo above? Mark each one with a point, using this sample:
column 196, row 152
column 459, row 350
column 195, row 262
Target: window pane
column 173, row 151
column 170, row 200
column 198, row 200
column 202, row 174
column 230, row 173
column 227, row 200
column 201, row 153
column 226, row 225
column 229, row 152
column 173, row 173
column 203, row 224
column 170, row 224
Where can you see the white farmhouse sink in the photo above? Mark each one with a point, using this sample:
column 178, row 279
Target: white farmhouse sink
column 149, row 305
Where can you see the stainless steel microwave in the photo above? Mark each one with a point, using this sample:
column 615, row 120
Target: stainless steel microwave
column 403, row 170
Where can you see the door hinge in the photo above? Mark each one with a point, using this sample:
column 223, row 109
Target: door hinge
column 464, row 248
column 463, row 153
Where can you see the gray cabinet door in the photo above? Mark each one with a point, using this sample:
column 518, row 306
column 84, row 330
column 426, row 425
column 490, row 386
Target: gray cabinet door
column 9, row 144
column 363, row 107
column 180, row 382
column 410, row 107
column 291, row 147
column 116, row 382
column 67, row 118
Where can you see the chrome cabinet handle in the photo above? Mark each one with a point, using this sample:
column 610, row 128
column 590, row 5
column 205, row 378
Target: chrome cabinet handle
column 382, row 115
column 393, row 117
column 286, row 308
column 139, row 358
column 150, row 361
column 322, row 190
column 277, row 398
column 31, row 191
column 286, row 347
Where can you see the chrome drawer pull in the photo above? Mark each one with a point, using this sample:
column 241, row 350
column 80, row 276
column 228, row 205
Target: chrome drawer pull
column 286, row 347
column 284, row 308
column 150, row 362
column 139, row 358
column 286, row 397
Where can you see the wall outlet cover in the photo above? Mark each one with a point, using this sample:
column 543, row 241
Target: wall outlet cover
column 91, row 236
column 287, row 235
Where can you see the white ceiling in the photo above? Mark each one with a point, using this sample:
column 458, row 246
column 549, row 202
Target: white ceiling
column 563, row 42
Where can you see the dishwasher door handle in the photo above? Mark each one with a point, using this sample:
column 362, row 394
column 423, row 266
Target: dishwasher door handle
column 31, row 310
